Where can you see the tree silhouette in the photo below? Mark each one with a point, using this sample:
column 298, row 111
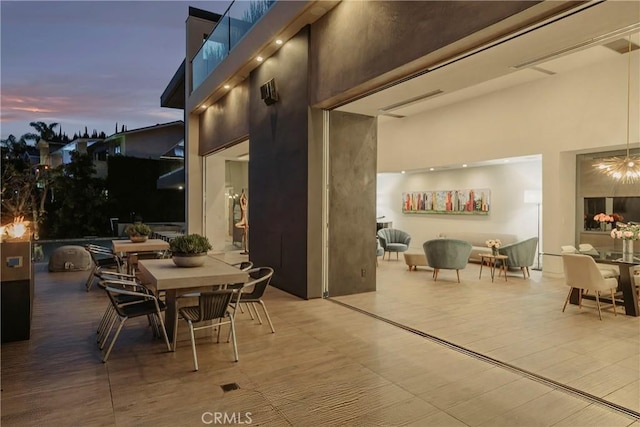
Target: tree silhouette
column 44, row 131
column 24, row 189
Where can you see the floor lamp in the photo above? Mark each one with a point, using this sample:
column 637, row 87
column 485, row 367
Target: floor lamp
column 535, row 197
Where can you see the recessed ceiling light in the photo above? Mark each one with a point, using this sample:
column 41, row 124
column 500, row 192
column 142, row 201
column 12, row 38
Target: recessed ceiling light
column 431, row 169
column 402, row 171
column 227, row 86
column 464, row 166
column 204, row 107
column 259, row 59
column 279, row 42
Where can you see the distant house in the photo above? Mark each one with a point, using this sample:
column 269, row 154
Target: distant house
column 60, row 154
column 151, row 142
column 158, row 142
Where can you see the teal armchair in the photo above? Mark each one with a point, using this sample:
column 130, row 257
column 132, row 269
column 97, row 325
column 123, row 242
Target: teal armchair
column 521, row 254
column 447, row 254
column 393, row 240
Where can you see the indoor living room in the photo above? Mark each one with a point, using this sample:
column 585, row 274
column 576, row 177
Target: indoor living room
column 525, row 133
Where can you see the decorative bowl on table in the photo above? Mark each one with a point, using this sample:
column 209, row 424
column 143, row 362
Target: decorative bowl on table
column 189, row 260
column 189, row 250
column 138, row 232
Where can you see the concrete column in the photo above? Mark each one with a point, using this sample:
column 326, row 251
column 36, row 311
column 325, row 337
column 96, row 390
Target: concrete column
column 352, row 203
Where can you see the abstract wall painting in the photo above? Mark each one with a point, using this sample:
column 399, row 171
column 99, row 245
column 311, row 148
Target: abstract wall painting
column 453, row 202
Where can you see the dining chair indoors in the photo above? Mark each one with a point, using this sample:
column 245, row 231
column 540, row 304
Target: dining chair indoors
column 606, row 270
column 581, row 272
column 212, row 306
column 128, row 304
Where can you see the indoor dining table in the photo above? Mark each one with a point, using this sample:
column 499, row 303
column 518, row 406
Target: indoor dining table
column 164, row 275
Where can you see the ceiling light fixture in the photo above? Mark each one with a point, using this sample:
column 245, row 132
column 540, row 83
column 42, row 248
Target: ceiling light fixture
column 279, row 42
column 402, row 172
column 227, row 86
column 464, row 166
column 259, row 59
column 624, row 169
column 431, row 169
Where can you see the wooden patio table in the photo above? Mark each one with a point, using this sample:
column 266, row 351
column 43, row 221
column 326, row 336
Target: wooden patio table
column 131, row 249
column 164, row 275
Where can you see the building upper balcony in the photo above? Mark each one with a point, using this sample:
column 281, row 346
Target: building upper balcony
column 234, row 24
column 246, row 31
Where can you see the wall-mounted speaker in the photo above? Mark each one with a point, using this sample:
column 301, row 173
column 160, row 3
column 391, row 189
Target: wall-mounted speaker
column 269, row 93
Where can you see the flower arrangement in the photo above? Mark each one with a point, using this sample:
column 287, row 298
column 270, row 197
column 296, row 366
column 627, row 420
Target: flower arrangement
column 493, row 243
column 626, row 232
column 603, row 217
column 617, row 217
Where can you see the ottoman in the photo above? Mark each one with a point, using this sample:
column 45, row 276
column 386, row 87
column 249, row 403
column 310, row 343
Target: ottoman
column 415, row 259
column 69, row 258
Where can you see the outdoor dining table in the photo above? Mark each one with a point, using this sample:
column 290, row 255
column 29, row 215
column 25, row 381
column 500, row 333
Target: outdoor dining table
column 164, row 275
column 149, row 245
column 126, row 246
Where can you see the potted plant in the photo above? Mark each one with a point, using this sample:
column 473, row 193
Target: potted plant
column 138, row 232
column 189, row 250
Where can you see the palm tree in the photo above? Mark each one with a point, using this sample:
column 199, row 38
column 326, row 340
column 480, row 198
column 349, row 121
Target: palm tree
column 45, row 131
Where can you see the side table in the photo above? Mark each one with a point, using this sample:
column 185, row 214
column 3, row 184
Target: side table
column 492, row 260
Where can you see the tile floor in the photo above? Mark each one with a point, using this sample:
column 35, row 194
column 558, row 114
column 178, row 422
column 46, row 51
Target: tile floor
column 328, row 365
column 519, row 322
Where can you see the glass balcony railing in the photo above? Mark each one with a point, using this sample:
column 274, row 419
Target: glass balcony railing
column 237, row 21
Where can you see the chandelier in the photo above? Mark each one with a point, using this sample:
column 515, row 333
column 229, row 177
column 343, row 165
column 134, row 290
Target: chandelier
column 624, row 169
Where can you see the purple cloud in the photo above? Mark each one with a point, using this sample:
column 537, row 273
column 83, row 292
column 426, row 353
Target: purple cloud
column 86, row 63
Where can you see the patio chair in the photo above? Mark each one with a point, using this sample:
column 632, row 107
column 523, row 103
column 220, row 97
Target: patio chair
column 124, row 280
column 261, row 276
column 102, row 258
column 129, row 304
column 212, row 306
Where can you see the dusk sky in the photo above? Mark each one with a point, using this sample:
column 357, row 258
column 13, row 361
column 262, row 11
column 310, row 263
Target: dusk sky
column 90, row 63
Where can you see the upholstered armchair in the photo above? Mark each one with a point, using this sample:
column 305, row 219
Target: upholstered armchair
column 379, row 250
column 447, row 254
column 521, row 254
column 393, row 240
